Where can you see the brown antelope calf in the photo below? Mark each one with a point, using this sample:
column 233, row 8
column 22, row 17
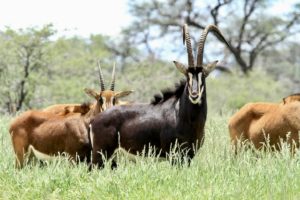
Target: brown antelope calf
column 267, row 123
column 45, row 134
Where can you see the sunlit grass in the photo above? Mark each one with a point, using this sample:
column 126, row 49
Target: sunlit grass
column 215, row 173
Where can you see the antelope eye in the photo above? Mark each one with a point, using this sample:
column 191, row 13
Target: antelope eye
column 101, row 100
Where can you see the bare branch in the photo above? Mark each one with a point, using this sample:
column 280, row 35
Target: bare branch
column 248, row 37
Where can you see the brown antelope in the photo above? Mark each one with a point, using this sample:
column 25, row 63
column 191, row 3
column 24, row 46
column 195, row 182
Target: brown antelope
column 109, row 98
column 177, row 117
column 46, row 134
column 267, row 124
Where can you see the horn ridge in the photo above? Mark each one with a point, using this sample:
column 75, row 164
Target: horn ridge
column 217, row 33
column 187, row 41
column 112, row 86
column 102, row 86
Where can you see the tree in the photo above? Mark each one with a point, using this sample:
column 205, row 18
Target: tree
column 73, row 67
column 23, row 53
column 248, row 25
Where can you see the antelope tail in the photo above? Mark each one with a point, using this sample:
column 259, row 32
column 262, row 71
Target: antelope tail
column 91, row 135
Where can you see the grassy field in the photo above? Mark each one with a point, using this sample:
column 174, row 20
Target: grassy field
column 215, row 173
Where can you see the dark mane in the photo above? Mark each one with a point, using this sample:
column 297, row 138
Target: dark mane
column 86, row 104
column 85, row 107
column 168, row 93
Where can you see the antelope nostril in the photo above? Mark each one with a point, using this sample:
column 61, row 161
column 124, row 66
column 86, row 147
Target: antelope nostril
column 194, row 93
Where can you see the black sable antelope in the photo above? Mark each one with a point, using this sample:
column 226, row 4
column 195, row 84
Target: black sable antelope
column 178, row 115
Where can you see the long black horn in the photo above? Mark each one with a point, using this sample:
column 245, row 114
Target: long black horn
column 113, row 80
column 217, row 33
column 102, row 86
column 187, row 41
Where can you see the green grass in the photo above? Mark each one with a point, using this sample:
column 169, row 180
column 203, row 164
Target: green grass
column 215, row 173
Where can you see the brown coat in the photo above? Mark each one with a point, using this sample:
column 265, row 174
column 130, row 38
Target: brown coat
column 49, row 133
column 67, row 109
column 61, row 128
column 263, row 122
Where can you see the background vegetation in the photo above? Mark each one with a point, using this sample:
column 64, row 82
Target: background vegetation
column 38, row 68
column 37, row 71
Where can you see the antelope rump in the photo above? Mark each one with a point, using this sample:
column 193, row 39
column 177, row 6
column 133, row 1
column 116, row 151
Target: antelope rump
column 267, row 124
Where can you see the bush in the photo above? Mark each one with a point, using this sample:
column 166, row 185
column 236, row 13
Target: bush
column 231, row 92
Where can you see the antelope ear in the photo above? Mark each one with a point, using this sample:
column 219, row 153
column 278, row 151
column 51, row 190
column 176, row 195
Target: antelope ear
column 181, row 67
column 69, row 109
column 91, row 93
column 284, row 100
column 123, row 93
column 209, row 68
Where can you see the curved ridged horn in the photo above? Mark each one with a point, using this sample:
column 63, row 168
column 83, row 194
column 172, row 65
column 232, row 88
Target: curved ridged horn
column 208, row 29
column 112, row 86
column 187, row 42
column 102, row 86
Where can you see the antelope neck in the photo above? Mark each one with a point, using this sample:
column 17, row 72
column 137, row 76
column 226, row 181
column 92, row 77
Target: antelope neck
column 189, row 112
column 92, row 113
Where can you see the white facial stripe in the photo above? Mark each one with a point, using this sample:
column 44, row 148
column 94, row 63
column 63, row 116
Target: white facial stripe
column 107, row 102
column 200, row 88
column 190, row 82
column 104, row 103
column 199, row 79
column 112, row 100
column 190, row 78
column 200, row 84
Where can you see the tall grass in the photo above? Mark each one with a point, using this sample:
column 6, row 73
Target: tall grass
column 215, row 173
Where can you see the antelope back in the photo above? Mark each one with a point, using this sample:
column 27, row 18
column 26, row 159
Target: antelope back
column 291, row 98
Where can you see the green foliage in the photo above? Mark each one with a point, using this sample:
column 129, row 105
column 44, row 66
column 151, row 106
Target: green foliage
column 284, row 65
column 148, row 78
column 23, row 56
column 62, row 68
column 37, row 71
column 231, row 92
column 215, row 173
column 73, row 67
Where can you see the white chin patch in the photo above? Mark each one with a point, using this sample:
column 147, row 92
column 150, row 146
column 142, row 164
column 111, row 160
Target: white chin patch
column 195, row 101
column 198, row 99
